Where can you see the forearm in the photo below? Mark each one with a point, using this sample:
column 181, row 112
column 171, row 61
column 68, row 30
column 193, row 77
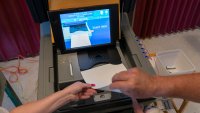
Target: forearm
column 59, row 100
column 55, row 101
column 46, row 105
column 181, row 86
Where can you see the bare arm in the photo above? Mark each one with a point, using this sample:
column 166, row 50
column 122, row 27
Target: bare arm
column 138, row 84
column 49, row 104
column 181, row 86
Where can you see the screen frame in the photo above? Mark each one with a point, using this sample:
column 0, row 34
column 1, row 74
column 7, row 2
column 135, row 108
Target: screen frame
column 54, row 17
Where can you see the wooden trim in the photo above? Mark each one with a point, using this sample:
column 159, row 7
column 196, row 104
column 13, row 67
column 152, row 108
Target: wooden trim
column 66, row 4
column 183, row 106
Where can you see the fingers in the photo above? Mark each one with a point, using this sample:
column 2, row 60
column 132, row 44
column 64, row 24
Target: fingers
column 77, row 87
column 121, row 76
column 125, row 75
column 134, row 70
column 84, row 85
column 125, row 80
column 81, row 86
column 87, row 90
column 87, row 94
column 121, row 85
column 82, row 97
column 136, row 106
column 91, row 91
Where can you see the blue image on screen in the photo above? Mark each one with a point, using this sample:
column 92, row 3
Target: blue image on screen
column 89, row 28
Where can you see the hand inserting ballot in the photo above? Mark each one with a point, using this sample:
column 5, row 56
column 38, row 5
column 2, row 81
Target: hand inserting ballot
column 133, row 83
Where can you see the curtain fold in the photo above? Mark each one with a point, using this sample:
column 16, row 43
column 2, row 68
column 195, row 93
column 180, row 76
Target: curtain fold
column 38, row 9
column 19, row 34
column 154, row 17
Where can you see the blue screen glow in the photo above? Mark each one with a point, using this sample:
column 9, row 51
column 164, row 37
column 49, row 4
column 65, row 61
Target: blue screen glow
column 88, row 28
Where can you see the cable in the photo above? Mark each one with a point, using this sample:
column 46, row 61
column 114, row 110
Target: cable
column 16, row 71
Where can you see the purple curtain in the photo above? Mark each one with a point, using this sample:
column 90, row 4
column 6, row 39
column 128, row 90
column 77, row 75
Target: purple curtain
column 154, row 17
column 19, row 34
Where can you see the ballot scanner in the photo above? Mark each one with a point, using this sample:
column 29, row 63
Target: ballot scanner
column 61, row 63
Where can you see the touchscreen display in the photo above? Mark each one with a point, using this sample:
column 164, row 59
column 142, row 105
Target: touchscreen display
column 86, row 28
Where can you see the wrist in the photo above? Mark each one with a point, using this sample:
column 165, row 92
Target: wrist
column 68, row 96
column 154, row 89
column 162, row 86
column 68, row 91
column 59, row 99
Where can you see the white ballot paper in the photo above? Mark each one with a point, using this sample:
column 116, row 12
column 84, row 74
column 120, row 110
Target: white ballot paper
column 101, row 76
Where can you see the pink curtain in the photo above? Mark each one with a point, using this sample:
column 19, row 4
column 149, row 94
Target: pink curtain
column 154, row 17
column 19, row 34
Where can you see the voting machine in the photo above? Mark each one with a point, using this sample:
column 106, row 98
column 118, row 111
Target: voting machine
column 86, row 38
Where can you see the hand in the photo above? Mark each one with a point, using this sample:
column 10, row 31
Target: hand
column 54, row 101
column 79, row 90
column 134, row 83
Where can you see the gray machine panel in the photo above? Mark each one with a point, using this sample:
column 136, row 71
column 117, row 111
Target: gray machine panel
column 134, row 47
column 46, row 72
column 65, row 71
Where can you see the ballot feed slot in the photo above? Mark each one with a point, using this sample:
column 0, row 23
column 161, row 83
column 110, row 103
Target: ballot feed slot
column 90, row 58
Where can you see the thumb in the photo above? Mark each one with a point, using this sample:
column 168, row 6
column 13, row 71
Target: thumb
column 136, row 106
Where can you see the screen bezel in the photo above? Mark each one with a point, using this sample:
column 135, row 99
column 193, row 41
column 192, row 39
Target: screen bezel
column 54, row 17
